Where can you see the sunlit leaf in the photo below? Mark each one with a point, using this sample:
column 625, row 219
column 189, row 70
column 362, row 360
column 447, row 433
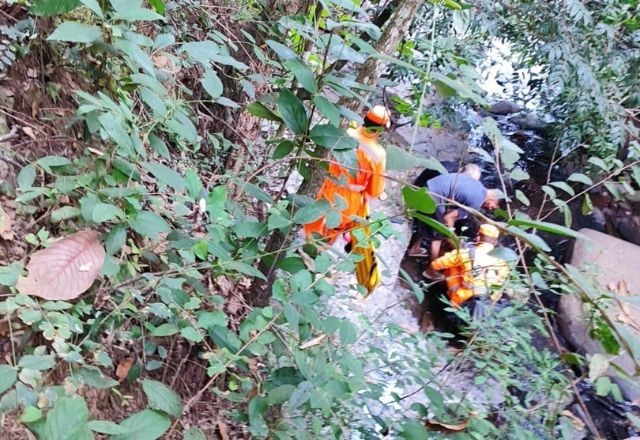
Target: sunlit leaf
column 162, row 398
column 74, row 32
column 147, row 424
column 332, row 137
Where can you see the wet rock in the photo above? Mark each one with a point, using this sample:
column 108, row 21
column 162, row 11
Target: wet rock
column 612, row 261
column 504, row 108
column 440, row 143
column 528, row 122
column 629, row 228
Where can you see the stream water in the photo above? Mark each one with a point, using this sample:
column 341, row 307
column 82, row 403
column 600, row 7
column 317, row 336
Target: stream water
column 609, row 415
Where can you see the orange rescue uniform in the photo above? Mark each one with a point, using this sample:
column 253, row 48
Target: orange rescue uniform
column 466, row 278
column 353, row 187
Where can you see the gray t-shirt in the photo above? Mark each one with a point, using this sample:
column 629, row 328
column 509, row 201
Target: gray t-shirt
column 459, row 187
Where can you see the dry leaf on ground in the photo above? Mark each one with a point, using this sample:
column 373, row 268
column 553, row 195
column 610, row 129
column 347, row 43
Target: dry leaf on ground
column 66, row 269
column 223, row 430
column 5, row 225
column 313, row 342
column 439, row 426
column 123, row 369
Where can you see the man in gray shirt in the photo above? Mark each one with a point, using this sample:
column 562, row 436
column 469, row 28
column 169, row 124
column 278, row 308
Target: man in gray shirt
column 464, row 188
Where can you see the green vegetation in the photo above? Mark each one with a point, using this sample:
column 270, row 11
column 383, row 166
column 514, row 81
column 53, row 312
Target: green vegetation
column 179, row 123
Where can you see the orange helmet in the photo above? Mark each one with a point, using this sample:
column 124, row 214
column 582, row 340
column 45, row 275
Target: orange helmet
column 379, row 115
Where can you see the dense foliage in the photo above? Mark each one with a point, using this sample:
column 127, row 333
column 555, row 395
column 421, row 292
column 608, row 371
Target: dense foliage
column 189, row 118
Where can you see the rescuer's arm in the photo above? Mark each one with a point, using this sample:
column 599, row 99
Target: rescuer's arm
column 448, row 260
column 375, row 186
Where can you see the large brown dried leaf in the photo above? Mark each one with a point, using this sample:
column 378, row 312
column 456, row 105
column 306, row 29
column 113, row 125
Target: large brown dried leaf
column 65, row 269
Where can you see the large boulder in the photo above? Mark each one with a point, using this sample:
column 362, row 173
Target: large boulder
column 613, row 262
column 504, row 108
column 440, row 143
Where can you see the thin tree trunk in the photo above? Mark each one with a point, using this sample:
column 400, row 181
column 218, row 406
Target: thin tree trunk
column 368, row 74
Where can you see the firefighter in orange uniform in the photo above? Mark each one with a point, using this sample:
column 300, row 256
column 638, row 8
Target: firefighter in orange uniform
column 355, row 188
column 349, row 191
column 471, row 272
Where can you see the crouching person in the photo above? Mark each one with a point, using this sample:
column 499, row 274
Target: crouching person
column 474, row 277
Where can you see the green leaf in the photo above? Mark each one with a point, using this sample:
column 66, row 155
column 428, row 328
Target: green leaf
column 285, row 147
column 117, row 133
column 413, row 431
column 418, row 200
column 158, row 5
column 53, row 161
column 209, row 320
column 149, row 224
column 153, row 101
column 93, row 377
column 522, row 198
column 64, row 213
column 74, row 32
column 603, row 386
column 162, row 398
column 104, row 212
column 292, row 112
column 300, row 396
column 165, row 330
column 260, row 110
column 302, row 73
column 599, row 163
column 245, row 269
column 332, row 137
column 8, row 376
column 201, row 51
column 9, row 274
column 116, row 239
column 463, row 90
column 106, row 427
column 26, row 177
column 311, row 212
column 49, row 8
column 138, row 14
column 280, row 394
column 249, row 229
column 228, row 61
column 564, row 186
column 191, row 334
column 166, row 175
column 634, row 420
column 281, row 50
column 194, row 434
column 68, row 419
column 598, row 366
column 547, row 227
column 328, row 109
column 504, row 253
column 435, row 225
column 257, row 408
column 193, row 183
column 212, row 84
column 531, row 238
column 93, row 6
column 36, row 362
column 159, row 146
column 147, row 425
column 578, row 177
column 31, row 414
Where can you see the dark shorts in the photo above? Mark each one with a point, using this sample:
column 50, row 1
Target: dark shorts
column 466, row 227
